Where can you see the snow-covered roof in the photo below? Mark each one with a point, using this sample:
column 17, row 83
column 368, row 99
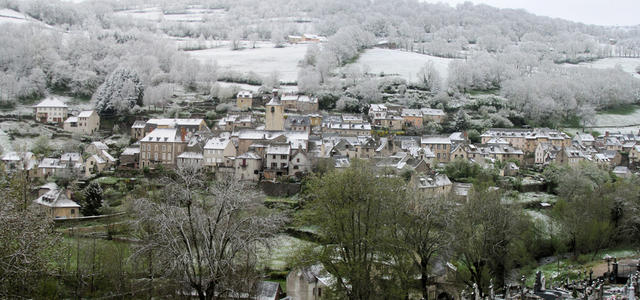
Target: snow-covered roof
column 98, row 159
column 100, row 145
column 245, row 94
column 56, row 198
column 71, row 120
column 249, row 155
column 432, row 112
column 131, row 151
column 438, row 180
column 85, row 114
column 51, row 102
column 161, row 135
column 217, row 144
column 274, row 101
column 108, row 156
column 435, row 140
column 279, row 149
column 139, row 124
column 50, row 163
column 411, row 112
column 174, row 122
column 191, row 155
column 71, row 156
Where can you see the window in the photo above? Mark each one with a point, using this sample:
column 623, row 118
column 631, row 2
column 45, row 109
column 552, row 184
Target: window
column 164, row 156
column 274, row 165
column 73, row 211
column 283, row 156
column 283, row 165
column 297, row 160
column 155, row 156
column 164, row 147
column 155, row 147
column 273, row 156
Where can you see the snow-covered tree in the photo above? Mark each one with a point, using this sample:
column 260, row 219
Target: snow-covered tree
column 121, row 91
column 430, row 77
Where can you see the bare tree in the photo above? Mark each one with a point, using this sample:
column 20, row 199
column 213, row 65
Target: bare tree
column 27, row 241
column 204, row 238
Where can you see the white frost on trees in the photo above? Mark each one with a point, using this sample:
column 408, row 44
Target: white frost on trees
column 121, row 91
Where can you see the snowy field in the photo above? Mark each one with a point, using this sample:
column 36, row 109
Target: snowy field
column 263, row 60
column 628, row 64
column 405, row 64
column 11, row 16
column 184, row 15
column 614, row 122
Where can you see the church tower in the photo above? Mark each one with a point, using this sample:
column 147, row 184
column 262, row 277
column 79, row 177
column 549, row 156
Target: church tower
column 274, row 114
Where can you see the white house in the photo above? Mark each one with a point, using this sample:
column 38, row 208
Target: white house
column 51, row 110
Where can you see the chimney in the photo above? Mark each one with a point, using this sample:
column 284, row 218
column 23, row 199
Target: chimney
column 465, row 134
column 606, row 133
column 275, row 93
column 183, row 133
column 68, row 191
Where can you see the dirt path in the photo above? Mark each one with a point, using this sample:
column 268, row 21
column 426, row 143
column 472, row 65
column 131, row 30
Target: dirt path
column 601, row 268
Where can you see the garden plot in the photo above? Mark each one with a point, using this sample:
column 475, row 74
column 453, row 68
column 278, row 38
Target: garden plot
column 401, row 63
column 628, row 64
column 263, row 60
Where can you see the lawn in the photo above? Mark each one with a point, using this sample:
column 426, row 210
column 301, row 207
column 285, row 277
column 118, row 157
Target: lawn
column 625, row 109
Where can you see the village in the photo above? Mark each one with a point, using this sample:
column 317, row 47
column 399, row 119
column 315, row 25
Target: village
column 274, row 141
column 306, row 150
column 287, row 137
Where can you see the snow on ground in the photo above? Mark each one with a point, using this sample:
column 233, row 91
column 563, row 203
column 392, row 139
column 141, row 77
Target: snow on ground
column 628, row 64
column 12, row 16
column 405, row 64
column 614, row 122
column 183, row 15
column 31, row 131
column 263, row 60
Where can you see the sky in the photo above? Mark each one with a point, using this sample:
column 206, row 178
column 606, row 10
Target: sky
column 599, row 12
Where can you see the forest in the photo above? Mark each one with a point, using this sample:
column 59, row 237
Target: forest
column 75, row 48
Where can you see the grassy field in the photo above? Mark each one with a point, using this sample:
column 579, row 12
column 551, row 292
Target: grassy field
column 625, row 109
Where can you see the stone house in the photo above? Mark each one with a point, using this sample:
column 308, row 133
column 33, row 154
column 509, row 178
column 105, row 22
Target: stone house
column 431, row 114
column 94, row 164
column 87, row 122
column 161, row 147
column 244, row 100
column 51, row 110
column 439, row 145
column 277, row 159
column 130, row 157
column 432, row 185
column 247, row 166
column 58, row 202
column 219, row 152
column 309, row 283
column 300, row 163
column 412, row 117
column 20, row 161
